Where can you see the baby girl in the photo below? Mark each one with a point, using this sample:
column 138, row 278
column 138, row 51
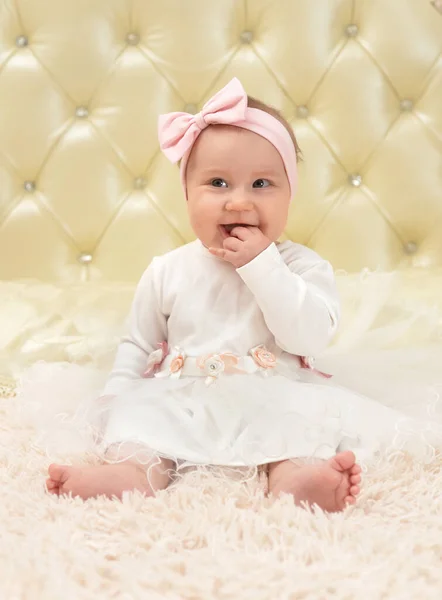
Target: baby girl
column 217, row 367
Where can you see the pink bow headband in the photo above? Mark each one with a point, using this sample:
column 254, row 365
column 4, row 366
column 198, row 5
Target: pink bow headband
column 178, row 131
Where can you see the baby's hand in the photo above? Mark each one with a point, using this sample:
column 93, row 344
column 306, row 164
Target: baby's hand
column 243, row 245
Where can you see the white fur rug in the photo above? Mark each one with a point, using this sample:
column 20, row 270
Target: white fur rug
column 212, row 537
column 209, row 537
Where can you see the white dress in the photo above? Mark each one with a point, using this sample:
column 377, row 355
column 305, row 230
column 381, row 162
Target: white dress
column 233, row 389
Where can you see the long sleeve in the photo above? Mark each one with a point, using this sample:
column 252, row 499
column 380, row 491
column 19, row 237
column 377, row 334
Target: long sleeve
column 146, row 327
column 298, row 298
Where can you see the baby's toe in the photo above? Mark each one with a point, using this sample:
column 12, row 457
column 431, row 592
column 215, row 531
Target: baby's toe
column 354, row 490
column 355, row 479
column 355, row 470
column 52, row 486
column 59, row 473
column 350, row 500
column 344, row 461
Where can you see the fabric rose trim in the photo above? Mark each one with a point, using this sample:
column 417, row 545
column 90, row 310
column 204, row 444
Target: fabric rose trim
column 177, row 363
column 265, row 359
column 214, row 364
column 155, row 360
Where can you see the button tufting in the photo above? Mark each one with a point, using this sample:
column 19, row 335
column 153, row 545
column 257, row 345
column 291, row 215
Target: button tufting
column 139, row 183
column 132, row 38
column 410, row 248
column 191, row 108
column 246, row 37
column 302, row 112
column 355, row 179
column 85, row 258
column 29, row 186
column 352, row 30
column 406, row 105
column 21, row 41
column 81, row 112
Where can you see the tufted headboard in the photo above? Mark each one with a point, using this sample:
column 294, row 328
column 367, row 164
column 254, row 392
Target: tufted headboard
column 85, row 193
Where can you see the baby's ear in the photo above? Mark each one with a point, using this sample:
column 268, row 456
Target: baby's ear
column 437, row 5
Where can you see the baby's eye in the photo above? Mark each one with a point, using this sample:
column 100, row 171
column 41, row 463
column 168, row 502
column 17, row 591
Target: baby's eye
column 261, row 183
column 218, row 182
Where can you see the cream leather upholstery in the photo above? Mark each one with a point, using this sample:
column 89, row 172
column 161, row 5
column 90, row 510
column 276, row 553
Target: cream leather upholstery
column 85, row 193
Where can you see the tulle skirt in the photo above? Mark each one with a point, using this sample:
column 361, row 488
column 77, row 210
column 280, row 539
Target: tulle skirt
column 384, row 401
column 248, row 420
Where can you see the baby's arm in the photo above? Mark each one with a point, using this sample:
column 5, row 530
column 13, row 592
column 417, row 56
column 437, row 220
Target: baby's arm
column 146, row 327
column 298, row 297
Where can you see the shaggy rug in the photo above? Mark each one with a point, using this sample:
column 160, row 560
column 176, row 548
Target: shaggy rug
column 211, row 535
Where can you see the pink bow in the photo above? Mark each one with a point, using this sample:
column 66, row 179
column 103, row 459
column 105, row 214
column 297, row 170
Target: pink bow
column 178, row 131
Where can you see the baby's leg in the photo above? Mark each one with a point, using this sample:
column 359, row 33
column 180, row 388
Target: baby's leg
column 111, row 479
column 331, row 484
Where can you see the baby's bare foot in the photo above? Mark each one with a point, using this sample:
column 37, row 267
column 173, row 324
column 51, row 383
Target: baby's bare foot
column 107, row 480
column 331, row 485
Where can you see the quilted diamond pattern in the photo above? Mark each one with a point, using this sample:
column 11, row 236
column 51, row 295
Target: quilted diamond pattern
column 82, row 84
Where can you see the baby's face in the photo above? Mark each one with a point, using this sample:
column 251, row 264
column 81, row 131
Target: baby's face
column 235, row 177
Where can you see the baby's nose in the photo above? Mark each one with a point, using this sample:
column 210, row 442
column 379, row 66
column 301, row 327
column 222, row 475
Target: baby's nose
column 238, row 204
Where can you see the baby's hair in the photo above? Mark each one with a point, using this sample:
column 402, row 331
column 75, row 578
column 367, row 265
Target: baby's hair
column 255, row 103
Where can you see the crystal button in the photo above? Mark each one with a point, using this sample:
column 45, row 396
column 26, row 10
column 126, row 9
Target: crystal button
column 132, row 38
column 85, row 258
column 302, row 112
column 191, row 108
column 29, row 186
column 81, row 112
column 406, row 105
column 355, row 179
column 410, row 248
column 352, row 30
column 140, row 183
column 21, row 41
column 246, row 37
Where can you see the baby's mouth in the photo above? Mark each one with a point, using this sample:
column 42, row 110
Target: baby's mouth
column 227, row 228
